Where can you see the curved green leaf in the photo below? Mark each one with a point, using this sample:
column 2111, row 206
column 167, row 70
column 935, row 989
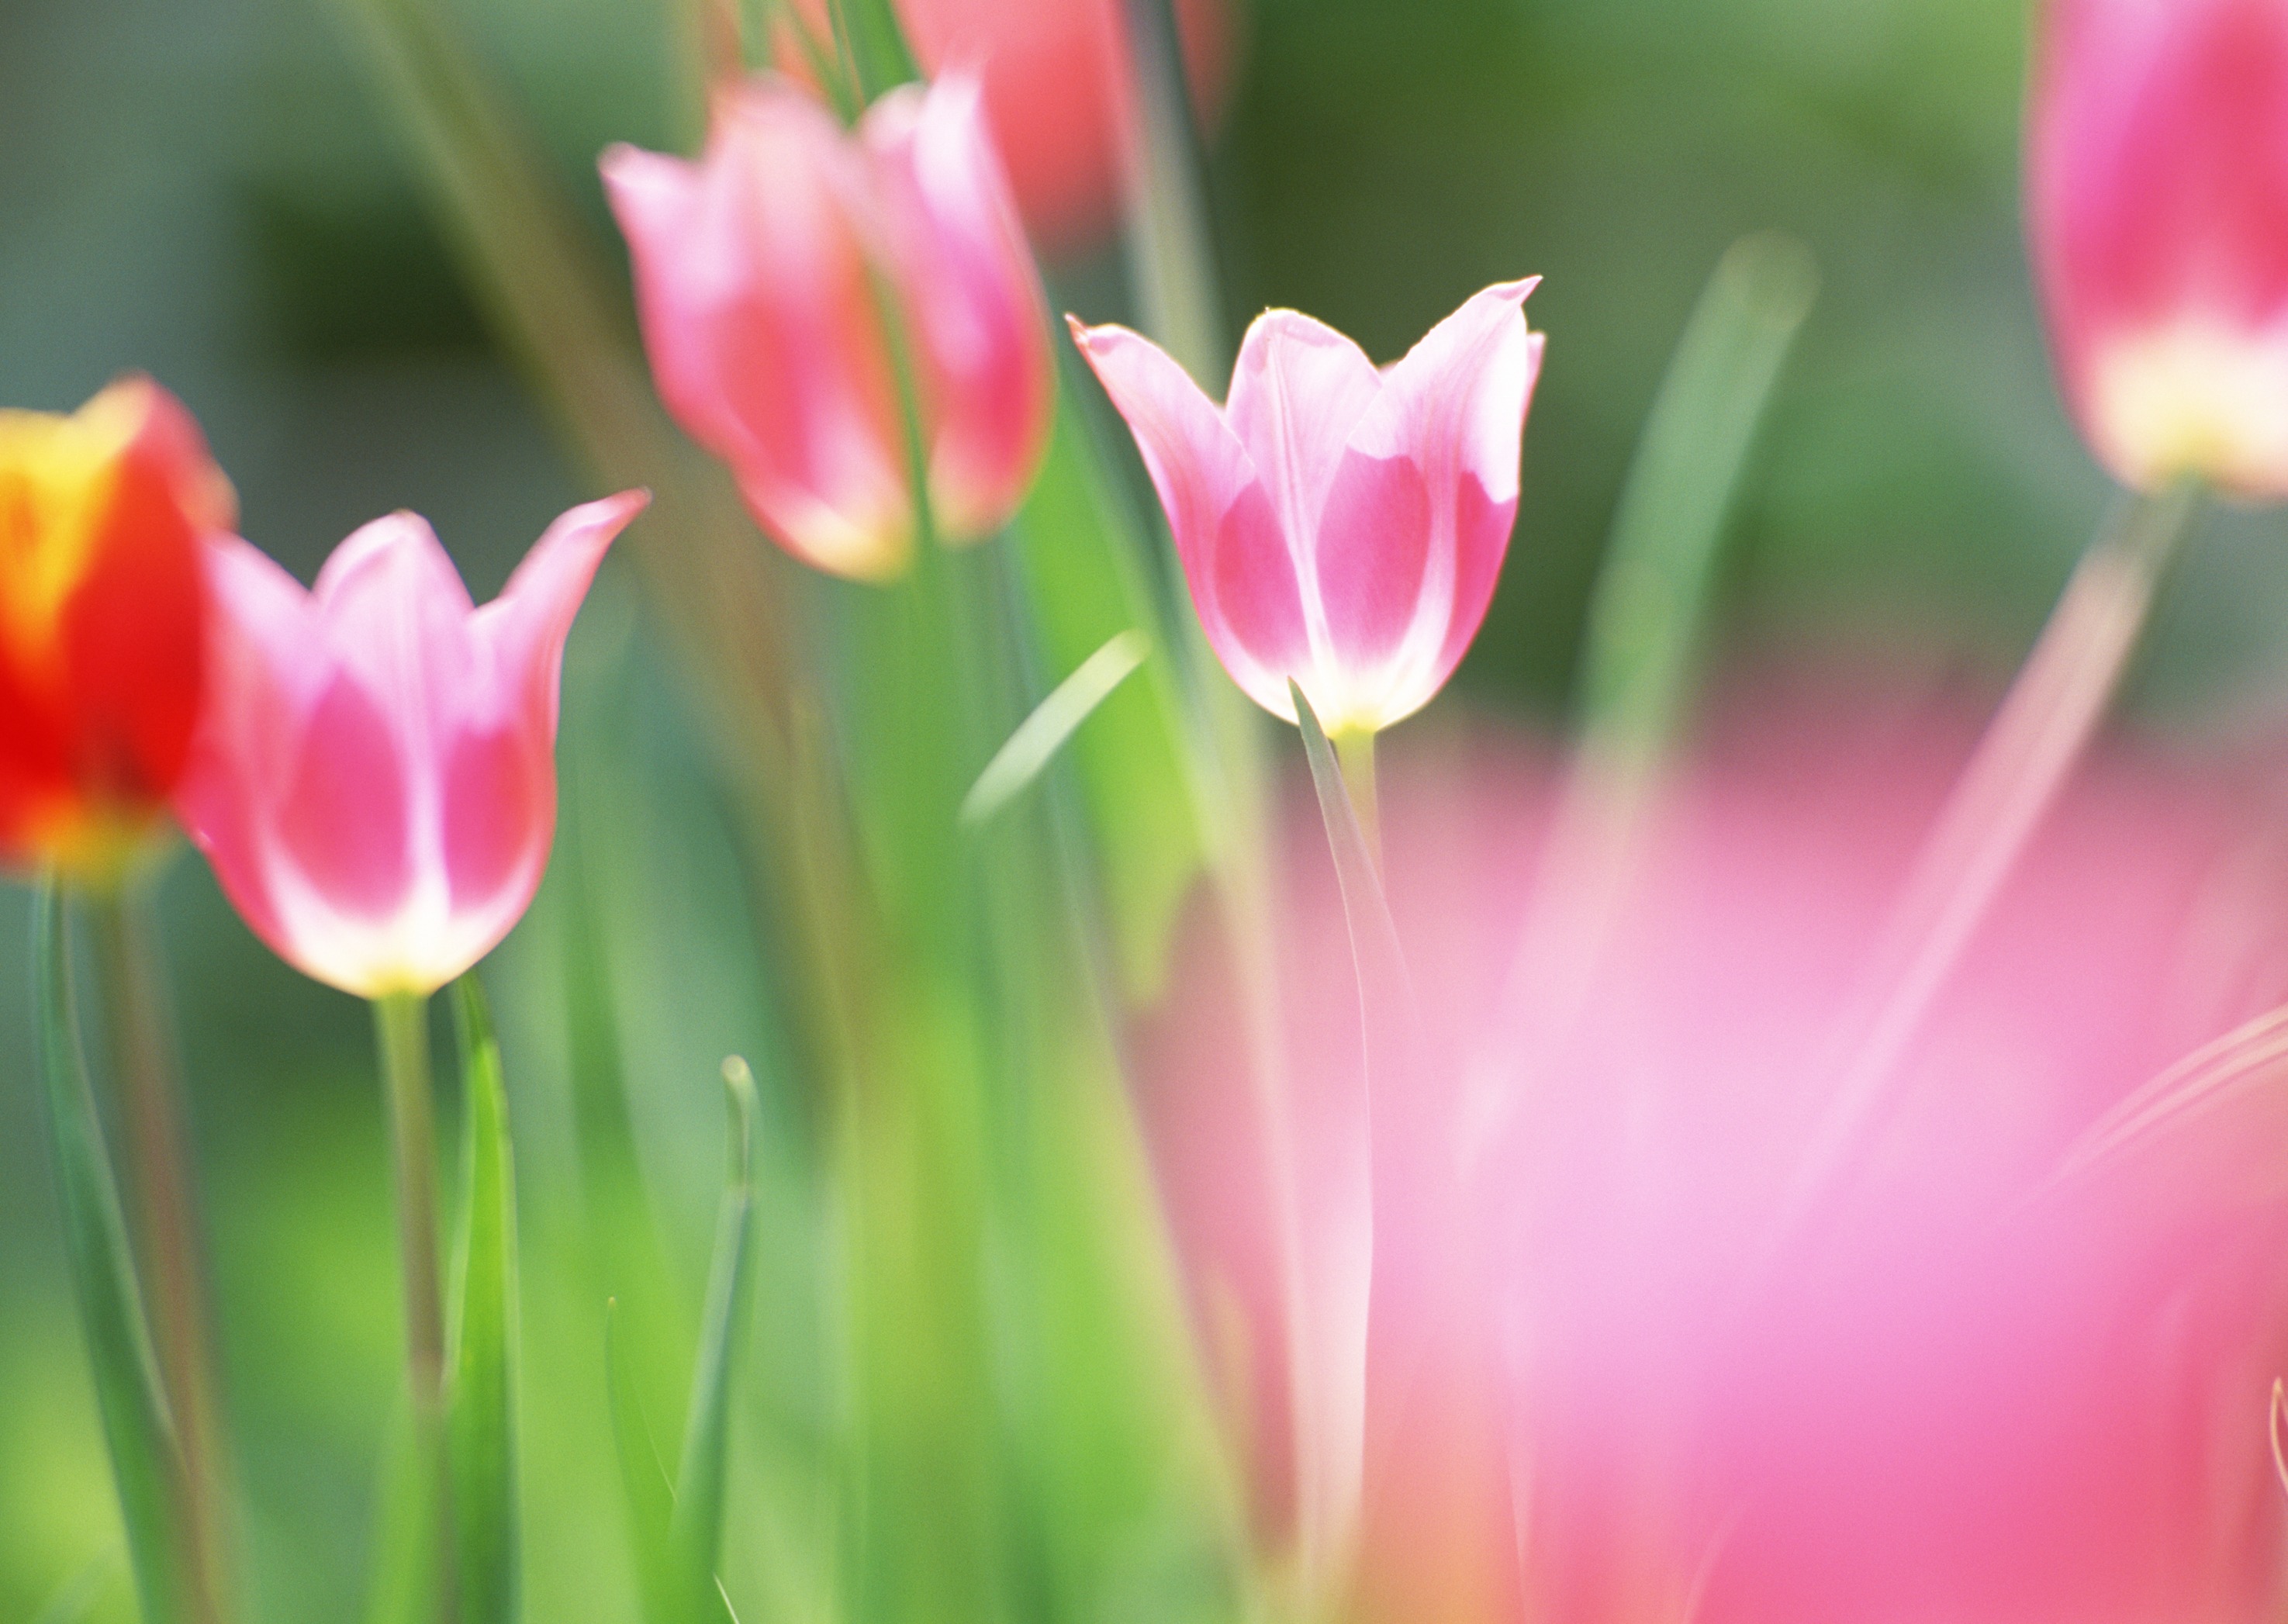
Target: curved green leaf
column 482, row 1350
column 135, row 1420
column 695, row 1530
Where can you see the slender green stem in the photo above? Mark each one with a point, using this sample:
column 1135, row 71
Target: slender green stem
column 401, row 1029
column 1354, row 750
column 2028, row 754
column 163, row 1208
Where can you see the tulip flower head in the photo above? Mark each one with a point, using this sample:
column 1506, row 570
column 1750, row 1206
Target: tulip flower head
column 102, row 617
column 1338, row 526
column 375, row 779
column 1056, row 76
column 2158, row 202
column 768, row 274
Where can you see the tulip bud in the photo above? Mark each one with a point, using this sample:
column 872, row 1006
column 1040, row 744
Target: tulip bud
column 1338, row 526
column 101, row 620
column 374, row 779
column 761, row 276
column 2158, row 204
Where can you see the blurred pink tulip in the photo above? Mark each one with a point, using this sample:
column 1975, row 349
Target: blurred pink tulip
column 1056, row 77
column 2158, row 198
column 761, row 273
column 1602, row 1385
column 374, row 779
column 1338, row 526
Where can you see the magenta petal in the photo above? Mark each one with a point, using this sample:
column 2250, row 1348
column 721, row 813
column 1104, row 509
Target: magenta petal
column 394, row 608
column 1298, row 391
column 1197, row 464
column 967, row 282
column 499, row 787
column 343, row 820
column 1250, row 604
column 524, row 629
column 1373, row 556
column 759, row 312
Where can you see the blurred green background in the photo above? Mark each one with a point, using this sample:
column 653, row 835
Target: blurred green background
column 207, row 190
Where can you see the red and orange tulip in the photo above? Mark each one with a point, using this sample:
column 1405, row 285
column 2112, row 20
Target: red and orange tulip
column 102, row 615
column 762, row 276
column 2158, row 204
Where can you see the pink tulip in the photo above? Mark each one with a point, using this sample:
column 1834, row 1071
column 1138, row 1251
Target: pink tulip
column 1056, row 75
column 2159, row 197
column 761, row 276
column 1338, row 526
column 1946, row 1399
column 374, row 779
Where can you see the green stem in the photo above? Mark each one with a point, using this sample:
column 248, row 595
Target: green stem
column 2021, row 763
column 1354, row 750
column 401, row 1029
column 163, row 1209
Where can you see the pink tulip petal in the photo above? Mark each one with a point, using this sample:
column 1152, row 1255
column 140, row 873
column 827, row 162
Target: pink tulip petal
column 374, row 779
column 1456, row 407
column 1374, row 553
column 1227, row 534
column 759, row 312
column 1252, row 605
column 1299, row 389
column 966, row 279
column 343, row 819
column 499, row 813
column 524, row 629
column 394, row 606
column 263, row 677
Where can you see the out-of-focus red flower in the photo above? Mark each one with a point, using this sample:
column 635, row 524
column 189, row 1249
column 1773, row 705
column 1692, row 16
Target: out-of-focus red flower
column 1600, row 1379
column 1057, row 76
column 761, row 274
column 1338, row 526
column 102, row 620
column 2158, row 198
column 375, row 778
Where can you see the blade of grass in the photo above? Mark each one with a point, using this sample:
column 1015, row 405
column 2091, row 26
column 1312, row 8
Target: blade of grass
column 871, row 32
column 646, row 1498
column 482, row 1350
column 135, row 1421
column 695, row 1530
column 404, row 1529
column 1042, row 734
column 1645, row 631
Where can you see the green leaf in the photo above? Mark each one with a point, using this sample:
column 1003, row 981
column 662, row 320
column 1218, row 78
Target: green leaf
column 1042, row 734
column 695, row 1530
column 135, row 1421
column 1644, row 625
column 870, row 32
column 482, row 1350
column 1144, row 774
column 399, row 1583
column 646, row 1497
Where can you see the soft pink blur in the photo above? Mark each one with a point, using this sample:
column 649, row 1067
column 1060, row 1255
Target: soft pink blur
column 374, row 778
column 1939, row 1400
column 1056, row 76
column 761, row 274
column 2158, row 202
column 1338, row 525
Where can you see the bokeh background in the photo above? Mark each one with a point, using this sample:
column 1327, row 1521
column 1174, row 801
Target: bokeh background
column 209, row 190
